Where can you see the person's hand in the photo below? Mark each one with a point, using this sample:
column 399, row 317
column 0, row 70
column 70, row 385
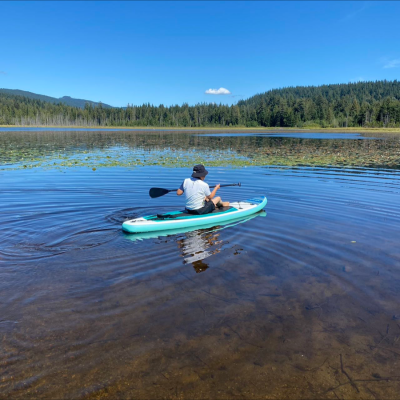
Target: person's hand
column 206, row 198
column 217, row 186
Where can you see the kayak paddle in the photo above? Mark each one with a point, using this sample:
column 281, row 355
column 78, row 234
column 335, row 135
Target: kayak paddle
column 158, row 192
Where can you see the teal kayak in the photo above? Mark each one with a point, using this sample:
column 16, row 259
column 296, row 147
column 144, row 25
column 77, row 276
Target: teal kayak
column 182, row 219
column 221, row 225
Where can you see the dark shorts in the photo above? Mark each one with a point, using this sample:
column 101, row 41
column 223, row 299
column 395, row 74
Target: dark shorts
column 209, row 207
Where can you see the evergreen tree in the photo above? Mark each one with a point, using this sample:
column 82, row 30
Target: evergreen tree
column 367, row 104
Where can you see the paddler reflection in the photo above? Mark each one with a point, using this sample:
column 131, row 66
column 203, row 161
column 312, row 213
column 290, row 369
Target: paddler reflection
column 198, row 245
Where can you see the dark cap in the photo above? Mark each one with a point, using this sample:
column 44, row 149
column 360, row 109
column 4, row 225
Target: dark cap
column 199, row 171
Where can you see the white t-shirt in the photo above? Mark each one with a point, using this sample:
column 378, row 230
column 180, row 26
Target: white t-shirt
column 195, row 191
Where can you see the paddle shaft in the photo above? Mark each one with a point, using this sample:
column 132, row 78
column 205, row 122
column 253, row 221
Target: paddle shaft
column 158, row 192
column 232, row 184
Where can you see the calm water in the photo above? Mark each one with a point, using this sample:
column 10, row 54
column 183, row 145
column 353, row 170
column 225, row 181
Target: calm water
column 301, row 135
column 296, row 135
column 301, row 301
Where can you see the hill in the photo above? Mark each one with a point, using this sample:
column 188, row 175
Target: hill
column 362, row 104
column 70, row 101
column 362, row 91
column 350, row 104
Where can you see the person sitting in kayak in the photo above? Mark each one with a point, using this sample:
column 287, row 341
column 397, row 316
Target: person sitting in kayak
column 199, row 199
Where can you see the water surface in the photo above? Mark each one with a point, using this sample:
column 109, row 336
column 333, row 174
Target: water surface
column 66, row 149
column 301, row 135
column 297, row 135
column 301, row 301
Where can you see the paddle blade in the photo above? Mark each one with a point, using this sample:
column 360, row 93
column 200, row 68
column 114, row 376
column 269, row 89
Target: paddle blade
column 157, row 192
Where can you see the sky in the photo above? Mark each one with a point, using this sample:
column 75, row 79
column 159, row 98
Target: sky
column 193, row 52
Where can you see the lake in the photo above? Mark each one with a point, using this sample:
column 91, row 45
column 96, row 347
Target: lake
column 300, row 301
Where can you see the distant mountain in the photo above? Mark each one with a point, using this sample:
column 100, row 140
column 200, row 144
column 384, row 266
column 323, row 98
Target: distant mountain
column 70, row 101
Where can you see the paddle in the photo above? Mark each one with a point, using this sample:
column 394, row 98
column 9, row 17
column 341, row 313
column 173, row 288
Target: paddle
column 158, row 192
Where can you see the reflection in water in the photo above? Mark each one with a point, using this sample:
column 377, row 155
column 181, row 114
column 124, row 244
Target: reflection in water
column 199, row 266
column 197, row 244
column 131, row 149
column 296, row 135
column 302, row 304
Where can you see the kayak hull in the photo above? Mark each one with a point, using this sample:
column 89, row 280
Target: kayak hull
column 137, row 236
column 181, row 220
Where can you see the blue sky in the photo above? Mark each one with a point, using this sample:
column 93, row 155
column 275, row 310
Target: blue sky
column 172, row 52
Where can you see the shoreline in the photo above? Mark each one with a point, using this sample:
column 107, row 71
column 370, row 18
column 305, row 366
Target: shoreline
column 216, row 129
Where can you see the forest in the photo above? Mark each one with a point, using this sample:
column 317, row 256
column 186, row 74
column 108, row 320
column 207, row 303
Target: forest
column 361, row 104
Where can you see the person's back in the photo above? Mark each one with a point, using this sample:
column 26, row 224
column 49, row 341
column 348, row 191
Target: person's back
column 195, row 191
column 199, row 199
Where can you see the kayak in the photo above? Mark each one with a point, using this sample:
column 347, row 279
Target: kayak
column 182, row 219
column 206, row 227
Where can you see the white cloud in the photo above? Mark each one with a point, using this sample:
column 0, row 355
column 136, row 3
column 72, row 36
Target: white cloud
column 392, row 64
column 221, row 90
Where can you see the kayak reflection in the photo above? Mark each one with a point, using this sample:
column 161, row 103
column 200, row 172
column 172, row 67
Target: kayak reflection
column 196, row 245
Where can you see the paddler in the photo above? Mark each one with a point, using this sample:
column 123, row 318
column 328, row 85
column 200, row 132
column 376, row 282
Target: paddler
column 199, row 199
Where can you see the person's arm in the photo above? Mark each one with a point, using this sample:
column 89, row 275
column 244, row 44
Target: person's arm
column 180, row 191
column 213, row 193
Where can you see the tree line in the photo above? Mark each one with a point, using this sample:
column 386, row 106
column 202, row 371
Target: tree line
column 367, row 104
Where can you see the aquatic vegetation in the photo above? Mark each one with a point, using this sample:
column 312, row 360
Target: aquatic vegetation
column 81, row 301
column 62, row 150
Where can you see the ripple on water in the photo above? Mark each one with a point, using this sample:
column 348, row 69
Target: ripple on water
column 280, row 298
